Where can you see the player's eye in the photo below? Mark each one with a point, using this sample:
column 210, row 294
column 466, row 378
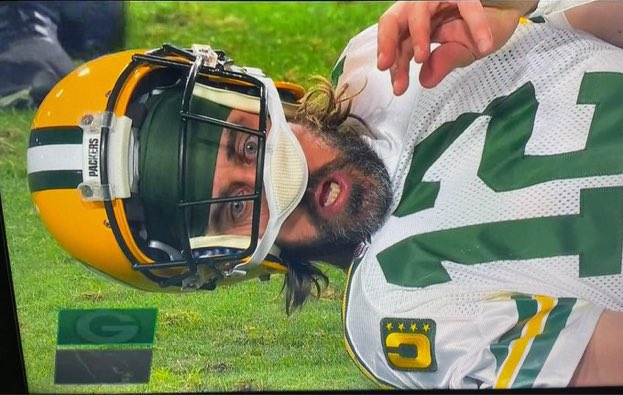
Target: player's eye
column 237, row 209
column 250, row 148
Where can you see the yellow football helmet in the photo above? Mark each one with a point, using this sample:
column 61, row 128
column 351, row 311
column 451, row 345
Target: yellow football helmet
column 121, row 165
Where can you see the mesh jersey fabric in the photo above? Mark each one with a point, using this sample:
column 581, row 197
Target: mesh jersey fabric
column 506, row 230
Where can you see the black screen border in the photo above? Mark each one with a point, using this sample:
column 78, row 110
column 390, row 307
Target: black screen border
column 12, row 361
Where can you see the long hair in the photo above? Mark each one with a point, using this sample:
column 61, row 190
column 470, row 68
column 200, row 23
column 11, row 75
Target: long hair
column 327, row 110
column 301, row 279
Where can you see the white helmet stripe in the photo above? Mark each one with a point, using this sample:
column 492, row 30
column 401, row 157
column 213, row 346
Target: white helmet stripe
column 54, row 157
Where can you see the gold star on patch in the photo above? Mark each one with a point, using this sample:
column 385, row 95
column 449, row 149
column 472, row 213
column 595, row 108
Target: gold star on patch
column 426, row 327
column 389, row 326
column 401, row 327
column 413, row 327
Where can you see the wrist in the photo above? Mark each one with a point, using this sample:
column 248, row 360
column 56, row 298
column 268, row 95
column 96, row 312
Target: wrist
column 545, row 8
column 527, row 8
column 519, row 7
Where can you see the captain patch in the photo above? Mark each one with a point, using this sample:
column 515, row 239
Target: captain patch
column 409, row 344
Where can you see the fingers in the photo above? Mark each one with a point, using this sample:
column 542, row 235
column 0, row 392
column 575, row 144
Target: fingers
column 395, row 49
column 404, row 20
column 473, row 14
column 419, row 29
column 404, row 33
column 391, row 28
column 447, row 57
column 399, row 71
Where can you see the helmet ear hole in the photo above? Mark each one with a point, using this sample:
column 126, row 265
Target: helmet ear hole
column 137, row 112
column 156, row 80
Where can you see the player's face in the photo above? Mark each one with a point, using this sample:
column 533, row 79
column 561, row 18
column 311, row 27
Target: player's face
column 346, row 199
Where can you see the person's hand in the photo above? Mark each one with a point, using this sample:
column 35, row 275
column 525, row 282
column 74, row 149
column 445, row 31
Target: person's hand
column 465, row 30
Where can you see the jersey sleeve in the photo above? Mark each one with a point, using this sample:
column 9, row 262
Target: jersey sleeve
column 454, row 338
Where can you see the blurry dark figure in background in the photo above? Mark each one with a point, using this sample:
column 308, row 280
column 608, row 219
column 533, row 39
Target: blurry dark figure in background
column 90, row 29
column 39, row 39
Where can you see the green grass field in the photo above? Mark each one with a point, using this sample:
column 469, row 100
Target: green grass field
column 232, row 339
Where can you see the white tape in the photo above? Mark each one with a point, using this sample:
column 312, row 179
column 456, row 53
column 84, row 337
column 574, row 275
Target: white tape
column 553, row 11
column 547, row 8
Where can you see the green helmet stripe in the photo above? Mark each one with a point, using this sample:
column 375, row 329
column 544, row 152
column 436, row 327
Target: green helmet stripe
column 60, row 135
column 55, row 179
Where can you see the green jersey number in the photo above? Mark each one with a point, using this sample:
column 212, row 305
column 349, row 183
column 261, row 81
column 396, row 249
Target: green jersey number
column 595, row 234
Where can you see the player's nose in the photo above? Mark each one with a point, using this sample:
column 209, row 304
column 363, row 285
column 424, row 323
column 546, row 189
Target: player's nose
column 243, row 175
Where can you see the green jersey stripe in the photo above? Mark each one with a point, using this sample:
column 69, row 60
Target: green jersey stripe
column 60, row 135
column 57, row 179
column 337, row 71
column 526, row 308
column 543, row 343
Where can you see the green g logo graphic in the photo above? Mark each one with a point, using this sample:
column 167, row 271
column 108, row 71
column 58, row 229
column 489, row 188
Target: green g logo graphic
column 107, row 326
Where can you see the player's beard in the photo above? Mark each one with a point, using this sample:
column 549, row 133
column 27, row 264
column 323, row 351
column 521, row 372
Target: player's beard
column 365, row 211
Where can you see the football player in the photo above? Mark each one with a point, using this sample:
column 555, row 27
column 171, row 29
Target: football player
column 491, row 270
column 480, row 220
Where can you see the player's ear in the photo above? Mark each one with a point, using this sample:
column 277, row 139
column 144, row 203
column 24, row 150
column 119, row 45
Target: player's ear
column 356, row 126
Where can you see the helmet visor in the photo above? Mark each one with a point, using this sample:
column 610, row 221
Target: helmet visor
column 198, row 174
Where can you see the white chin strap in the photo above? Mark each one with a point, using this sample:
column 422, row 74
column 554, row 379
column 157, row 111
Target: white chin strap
column 285, row 174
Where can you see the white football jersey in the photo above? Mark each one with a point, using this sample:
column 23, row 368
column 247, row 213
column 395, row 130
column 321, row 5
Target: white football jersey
column 506, row 236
